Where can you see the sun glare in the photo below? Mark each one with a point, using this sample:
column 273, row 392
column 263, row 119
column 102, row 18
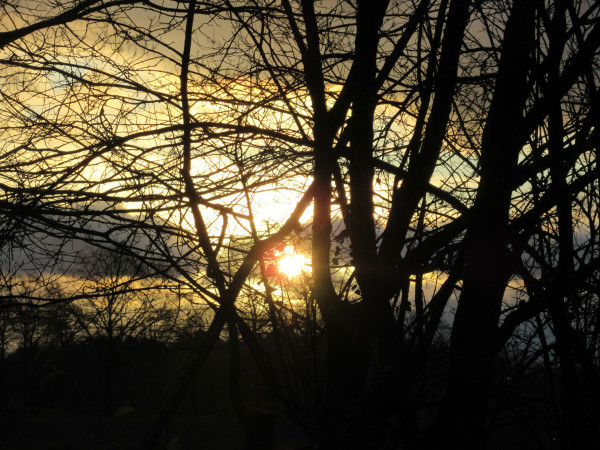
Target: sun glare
column 290, row 263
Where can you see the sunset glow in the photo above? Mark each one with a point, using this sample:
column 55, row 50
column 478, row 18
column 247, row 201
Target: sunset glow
column 290, row 263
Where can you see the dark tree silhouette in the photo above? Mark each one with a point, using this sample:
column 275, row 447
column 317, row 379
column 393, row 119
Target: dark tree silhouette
column 447, row 147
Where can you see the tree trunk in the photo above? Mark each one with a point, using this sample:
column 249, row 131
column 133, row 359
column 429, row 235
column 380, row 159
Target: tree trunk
column 487, row 267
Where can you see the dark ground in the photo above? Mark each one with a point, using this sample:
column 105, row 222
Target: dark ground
column 53, row 430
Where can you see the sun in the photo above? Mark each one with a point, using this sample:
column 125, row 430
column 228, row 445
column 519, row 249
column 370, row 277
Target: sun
column 290, row 263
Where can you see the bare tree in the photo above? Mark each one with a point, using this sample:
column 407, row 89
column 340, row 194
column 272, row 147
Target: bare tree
column 120, row 310
column 448, row 149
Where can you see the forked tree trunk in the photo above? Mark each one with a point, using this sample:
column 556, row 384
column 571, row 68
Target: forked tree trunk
column 488, row 265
